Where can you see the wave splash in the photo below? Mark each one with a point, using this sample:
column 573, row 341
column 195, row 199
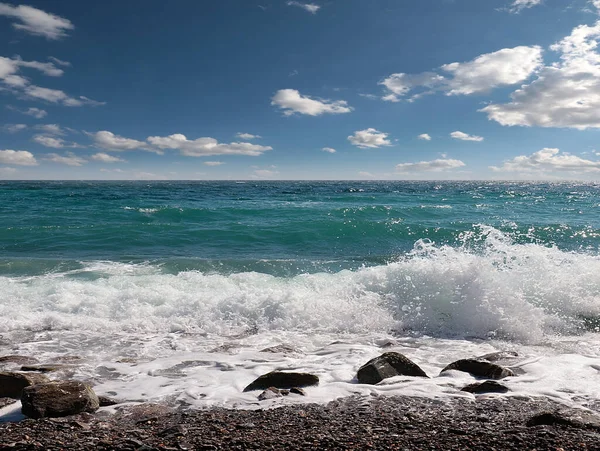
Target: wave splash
column 489, row 287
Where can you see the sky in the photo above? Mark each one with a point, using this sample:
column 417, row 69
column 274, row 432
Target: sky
column 307, row 90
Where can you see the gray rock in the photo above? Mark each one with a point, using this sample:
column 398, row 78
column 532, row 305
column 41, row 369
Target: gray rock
column 574, row 418
column 297, row 391
column 486, row 387
column 270, row 393
column 105, row 401
column 389, row 364
column 480, row 368
column 499, row 355
column 283, row 349
column 58, row 399
column 13, row 383
column 45, row 367
column 6, row 402
column 279, row 379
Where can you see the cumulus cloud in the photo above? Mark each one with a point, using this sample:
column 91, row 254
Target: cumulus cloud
column 52, row 129
column 424, row 137
column 504, row 67
column 59, row 61
column 14, row 128
column 291, row 101
column 439, row 165
column 69, row 158
column 548, row 160
column 264, row 173
column 369, row 139
column 328, row 149
column 213, row 163
column 310, row 7
column 13, row 81
column 17, row 157
column 50, row 141
column 36, row 22
column 247, row 136
column 565, row 94
column 465, row 137
column 109, row 141
column 106, row 158
column 35, row 112
column 204, row 147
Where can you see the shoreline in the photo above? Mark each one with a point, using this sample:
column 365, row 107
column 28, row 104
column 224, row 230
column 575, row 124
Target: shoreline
column 373, row 422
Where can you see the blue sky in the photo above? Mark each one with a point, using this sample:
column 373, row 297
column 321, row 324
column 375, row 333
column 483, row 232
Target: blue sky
column 311, row 89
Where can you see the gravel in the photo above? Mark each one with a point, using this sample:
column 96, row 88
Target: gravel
column 374, row 423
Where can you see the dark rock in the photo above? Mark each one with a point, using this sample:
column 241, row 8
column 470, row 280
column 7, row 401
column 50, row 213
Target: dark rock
column 18, row 359
column 270, row 393
column 105, row 401
column 279, row 379
column 283, row 349
column 499, row 355
column 58, row 399
column 486, row 387
column 45, row 368
column 12, row 383
column 480, row 368
column 389, row 364
column 142, row 413
column 297, row 391
column 578, row 419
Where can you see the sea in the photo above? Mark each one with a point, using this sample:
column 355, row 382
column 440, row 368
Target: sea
column 170, row 291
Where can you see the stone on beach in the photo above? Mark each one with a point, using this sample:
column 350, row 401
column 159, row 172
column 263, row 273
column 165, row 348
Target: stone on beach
column 280, row 379
column 387, row 365
column 58, row 399
column 18, row 359
column 485, row 387
column 13, row 383
column 480, row 368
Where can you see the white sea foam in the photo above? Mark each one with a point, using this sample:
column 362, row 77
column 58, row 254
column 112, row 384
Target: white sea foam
column 136, row 326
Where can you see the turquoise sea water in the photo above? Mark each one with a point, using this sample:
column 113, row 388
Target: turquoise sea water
column 168, row 291
column 280, row 228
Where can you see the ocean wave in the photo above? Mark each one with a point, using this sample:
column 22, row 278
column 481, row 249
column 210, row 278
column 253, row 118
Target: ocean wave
column 488, row 287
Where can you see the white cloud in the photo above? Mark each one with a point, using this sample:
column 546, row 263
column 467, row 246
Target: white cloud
column 36, row 22
column 52, row 129
column 291, row 101
column 204, row 147
column 367, row 174
column 264, row 173
column 369, row 139
column 106, row 158
column 488, row 71
column 565, row 94
column 518, row 5
column 430, row 166
column 17, row 157
column 424, row 137
column 59, row 61
column 69, row 158
column 247, row 136
column 548, row 160
column 14, row 128
column 465, row 137
column 328, row 149
column 213, row 163
column 35, row 112
column 49, row 141
column 109, row 141
column 310, row 7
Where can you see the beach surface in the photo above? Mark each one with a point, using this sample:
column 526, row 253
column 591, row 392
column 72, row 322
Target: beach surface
column 386, row 423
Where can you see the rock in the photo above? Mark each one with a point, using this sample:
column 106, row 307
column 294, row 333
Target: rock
column 105, row 401
column 6, row 402
column 480, row 368
column 58, row 399
column 18, row 359
column 389, row 364
column 486, row 387
column 45, row 368
column 283, row 349
column 12, row 383
column 270, row 393
column 279, row 379
column 297, row 391
column 141, row 413
column 572, row 418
